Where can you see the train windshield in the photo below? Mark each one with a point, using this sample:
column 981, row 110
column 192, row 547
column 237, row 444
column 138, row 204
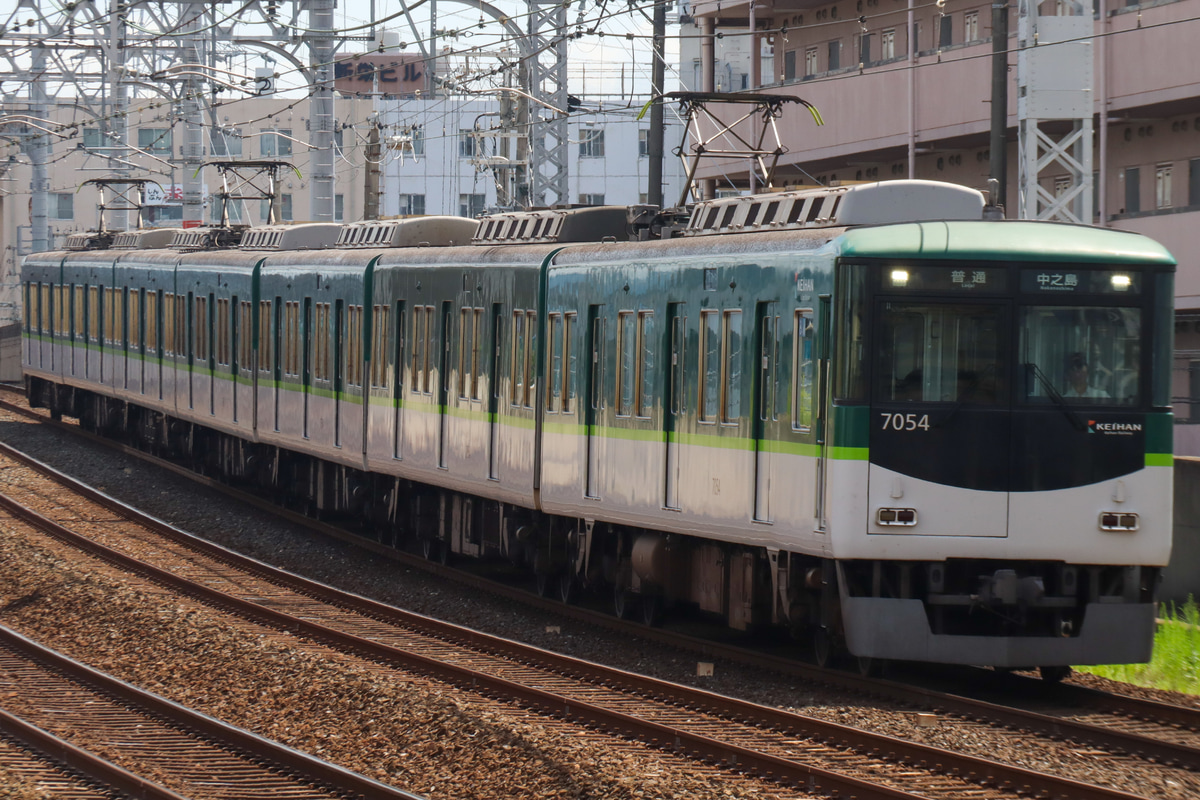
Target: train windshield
column 940, row 352
column 1082, row 354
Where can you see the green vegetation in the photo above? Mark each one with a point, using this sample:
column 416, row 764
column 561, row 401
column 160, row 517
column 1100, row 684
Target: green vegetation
column 1175, row 664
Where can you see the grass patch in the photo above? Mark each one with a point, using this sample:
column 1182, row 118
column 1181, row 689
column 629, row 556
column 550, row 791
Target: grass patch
column 1175, row 664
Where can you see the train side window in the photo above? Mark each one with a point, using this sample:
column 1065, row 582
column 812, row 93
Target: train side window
column 803, row 370
column 181, row 328
column 61, row 317
column 93, row 314
column 28, row 309
column 78, row 313
column 245, row 338
column 168, row 333
column 418, row 347
column 380, row 339
column 554, row 356
column 398, row 378
column 352, row 336
column 112, row 316
column 135, row 305
column 645, row 371
column 626, row 362
column 731, row 395
column 571, row 368
column 477, row 361
column 321, row 343
column 470, row 320
column 291, row 339
column 710, row 365
column 223, row 328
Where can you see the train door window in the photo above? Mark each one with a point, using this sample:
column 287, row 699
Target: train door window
column 112, row 317
column 202, row 328
column 185, row 325
column 223, row 329
column 78, row 312
column 61, row 317
column 803, row 370
column 134, row 313
column 626, row 362
column 477, row 365
column 645, row 370
column 126, row 311
column 530, row 359
column 710, row 365
column 422, row 333
column 266, row 351
column 518, row 358
column 380, row 338
column 181, row 328
column 554, row 356
column 678, row 358
column 93, row 314
column 27, row 311
column 767, row 356
column 398, row 377
column 321, row 342
column 245, row 337
column 291, row 339
column 354, row 346
column 851, row 355
column 153, row 322
column 32, row 309
column 570, row 367
column 468, row 356
column 731, row 393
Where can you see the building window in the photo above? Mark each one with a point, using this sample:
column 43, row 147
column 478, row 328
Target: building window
column 91, row 137
column 971, row 26
column 887, row 45
column 591, row 142
column 227, row 144
column 864, row 49
column 62, row 206
column 471, row 205
column 418, row 140
column 1194, row 182
column 273, row 144
column 591, row 199
column 155, row 140
column 946, row 32
column 835, row 55
column 789, row 65
column 1162, row 186
column 810, row 61
column 339, row 207
column 285, row 207
column 1133, row 196
column 466, row 143
column 643, row 142
column 412, row 204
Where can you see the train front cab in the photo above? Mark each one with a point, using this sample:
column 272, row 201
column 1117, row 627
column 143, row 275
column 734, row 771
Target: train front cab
column 1001, row 490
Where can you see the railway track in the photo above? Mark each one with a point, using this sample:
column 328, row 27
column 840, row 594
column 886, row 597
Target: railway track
column 789, row 748
column 89, row 723
column 1154, row 731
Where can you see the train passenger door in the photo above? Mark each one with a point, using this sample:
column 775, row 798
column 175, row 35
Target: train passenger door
column 339, row 367
column 673, row 406
column 494, row 394
column 821, row 423
column 766, row 326
column 595, row 400
column 444, row 385
column 306, row 327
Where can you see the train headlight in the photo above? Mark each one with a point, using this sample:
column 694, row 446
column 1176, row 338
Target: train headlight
column 1121, row 282
column 1112, row 521
column 900, row 277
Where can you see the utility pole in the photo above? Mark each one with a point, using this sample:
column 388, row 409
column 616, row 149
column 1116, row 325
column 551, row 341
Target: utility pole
column 654, row 142
column 371, row 187
column 39, row 154
column 193, row 117
column 321, row 50
column 999, row 140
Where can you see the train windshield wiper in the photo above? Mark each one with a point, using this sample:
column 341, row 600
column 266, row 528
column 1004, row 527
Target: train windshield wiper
column 1058, row 399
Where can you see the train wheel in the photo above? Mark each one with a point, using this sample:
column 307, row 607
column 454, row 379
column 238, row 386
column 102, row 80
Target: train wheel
column 870, row 667
column 652, row 610
column 568, row 587
column 624, row 602
column 822, row 646
column 542, row 583
column 430, row 549
column 1054, row 674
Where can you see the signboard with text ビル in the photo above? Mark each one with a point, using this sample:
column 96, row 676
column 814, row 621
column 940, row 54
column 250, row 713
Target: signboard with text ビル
column 375, row 72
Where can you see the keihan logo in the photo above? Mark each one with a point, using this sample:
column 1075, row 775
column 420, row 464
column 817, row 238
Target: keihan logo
column 1125, row 428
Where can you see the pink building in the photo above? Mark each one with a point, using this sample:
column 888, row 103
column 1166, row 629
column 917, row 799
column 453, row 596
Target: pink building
column 890, row 79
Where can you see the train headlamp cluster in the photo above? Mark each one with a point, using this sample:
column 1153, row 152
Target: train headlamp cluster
column 1121, row 282
column 899, row 277
column 902, row 517
column 1112, row 521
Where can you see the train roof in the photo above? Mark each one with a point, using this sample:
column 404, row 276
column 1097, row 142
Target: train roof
column 1016, row 240
column 434, row 231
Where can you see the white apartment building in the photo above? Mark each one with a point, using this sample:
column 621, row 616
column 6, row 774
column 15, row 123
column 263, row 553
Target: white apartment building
column 449, row 156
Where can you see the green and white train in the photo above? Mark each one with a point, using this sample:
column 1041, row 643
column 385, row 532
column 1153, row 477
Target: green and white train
column 864, row 413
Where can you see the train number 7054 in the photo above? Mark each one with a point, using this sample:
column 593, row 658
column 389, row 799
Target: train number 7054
column 904, row 422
